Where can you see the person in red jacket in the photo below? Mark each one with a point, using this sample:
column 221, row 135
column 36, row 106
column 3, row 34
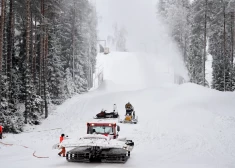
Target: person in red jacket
column 1, row 130
column 63, row 148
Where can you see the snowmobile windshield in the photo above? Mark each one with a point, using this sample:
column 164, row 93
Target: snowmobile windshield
column 100, row 130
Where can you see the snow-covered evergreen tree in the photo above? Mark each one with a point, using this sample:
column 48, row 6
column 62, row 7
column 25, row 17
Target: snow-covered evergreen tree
column 220, row 45
column 48, row 48
column 55, row 68
column 195, row 56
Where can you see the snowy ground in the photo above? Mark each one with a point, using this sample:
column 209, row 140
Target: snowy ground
column 180, row 126
column 209, row 69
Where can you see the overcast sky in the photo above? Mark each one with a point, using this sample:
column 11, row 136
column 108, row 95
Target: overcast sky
column 137, row 16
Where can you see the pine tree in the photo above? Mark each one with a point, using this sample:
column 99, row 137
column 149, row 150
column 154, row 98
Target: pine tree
column 196, row 52
column 55, row 67
column 2, row 109
column 42, row 44
column 220, row 44
column 27, row 75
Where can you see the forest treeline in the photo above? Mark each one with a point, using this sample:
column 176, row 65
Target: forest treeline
column 47, row 54
column 202, row 28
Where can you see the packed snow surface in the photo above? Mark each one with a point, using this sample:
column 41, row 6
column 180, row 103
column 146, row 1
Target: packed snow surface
column 180, row 126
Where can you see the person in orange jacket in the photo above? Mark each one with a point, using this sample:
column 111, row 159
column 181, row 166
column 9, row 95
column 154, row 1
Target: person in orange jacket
column 63, row 148
column 1, row 130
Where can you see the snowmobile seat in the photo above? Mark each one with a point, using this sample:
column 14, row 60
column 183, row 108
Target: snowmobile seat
column 111, row 113
column 101, row 114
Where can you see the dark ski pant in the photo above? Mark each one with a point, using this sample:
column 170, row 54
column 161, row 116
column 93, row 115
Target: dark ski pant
column 0, row 135
column 62, row 151
column 129, row 112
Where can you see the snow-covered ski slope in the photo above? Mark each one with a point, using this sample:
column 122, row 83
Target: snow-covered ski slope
column 180, row 126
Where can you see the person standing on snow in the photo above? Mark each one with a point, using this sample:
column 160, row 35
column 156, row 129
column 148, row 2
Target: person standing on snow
column 63, row 148
column 1, row 130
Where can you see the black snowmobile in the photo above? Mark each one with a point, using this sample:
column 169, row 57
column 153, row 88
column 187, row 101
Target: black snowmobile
column 104, row 114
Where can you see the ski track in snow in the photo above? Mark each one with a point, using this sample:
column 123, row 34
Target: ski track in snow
column 185, row 126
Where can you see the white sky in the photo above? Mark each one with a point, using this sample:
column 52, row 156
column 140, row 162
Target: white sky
column 137, row 16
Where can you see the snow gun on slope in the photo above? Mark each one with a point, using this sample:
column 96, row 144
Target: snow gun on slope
column 130, row 116
column 101, row 144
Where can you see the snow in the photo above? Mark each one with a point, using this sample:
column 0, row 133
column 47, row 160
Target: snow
column 117, row 64
column 209, row 69
column 93, row 140
column 180, row 126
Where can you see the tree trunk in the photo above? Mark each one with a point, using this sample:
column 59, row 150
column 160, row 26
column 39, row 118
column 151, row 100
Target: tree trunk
column 45, row 73
column 232, row 48
column 10, row 49
column 27, row 87
column 1, row 42
column 204, row 55
column 35, row 52
column 73, row 34
column 224, row 48
column 31, row 43
column 44, row 49
column 41, row 47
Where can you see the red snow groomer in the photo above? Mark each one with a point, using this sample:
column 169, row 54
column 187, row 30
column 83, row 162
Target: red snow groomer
column 107, row 129
column 101, row 144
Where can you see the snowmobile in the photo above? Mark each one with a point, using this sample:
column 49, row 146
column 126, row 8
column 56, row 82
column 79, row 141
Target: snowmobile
column 101, row 144
column 129, row 118
column 103, row 114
